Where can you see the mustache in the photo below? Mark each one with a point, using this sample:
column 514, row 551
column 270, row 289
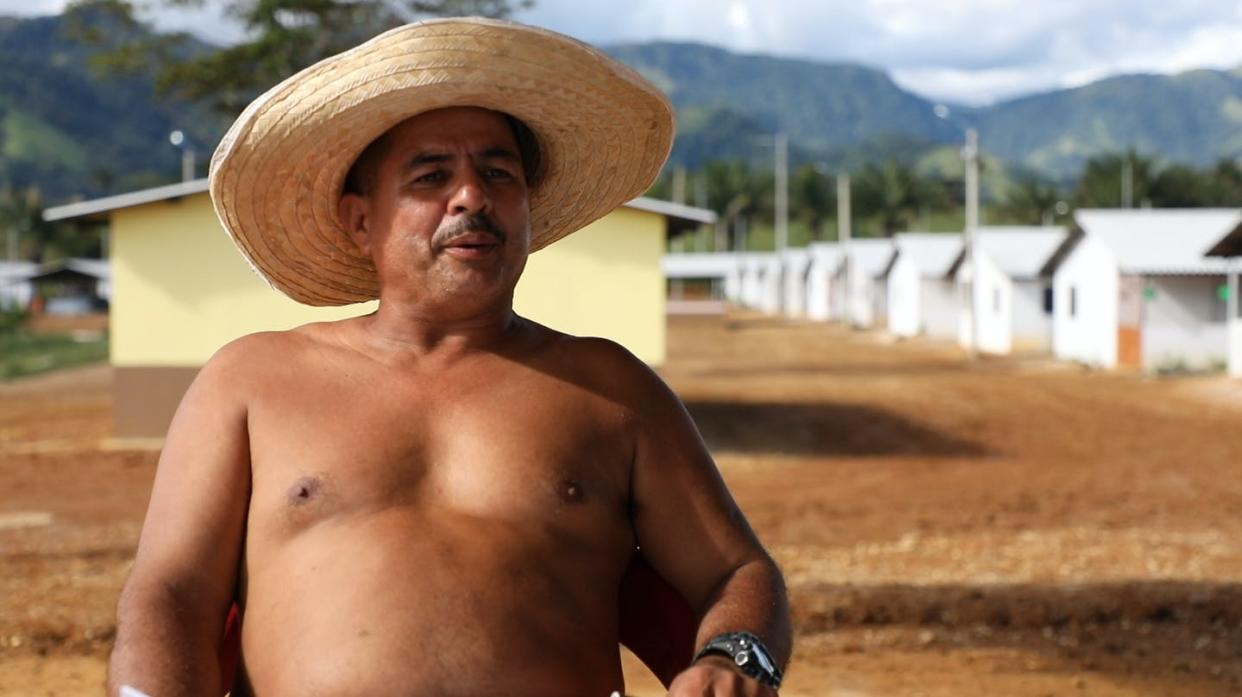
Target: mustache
column 476, row 223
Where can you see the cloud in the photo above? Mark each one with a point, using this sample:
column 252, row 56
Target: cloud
column 972, row 51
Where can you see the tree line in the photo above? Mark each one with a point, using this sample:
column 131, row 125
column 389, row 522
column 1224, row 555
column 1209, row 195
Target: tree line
column 897, row 195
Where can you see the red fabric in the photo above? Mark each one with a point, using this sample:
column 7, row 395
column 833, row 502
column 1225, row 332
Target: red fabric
column 230, row 649
column 656, row 623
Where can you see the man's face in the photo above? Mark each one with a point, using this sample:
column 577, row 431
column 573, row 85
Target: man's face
column 445, row 214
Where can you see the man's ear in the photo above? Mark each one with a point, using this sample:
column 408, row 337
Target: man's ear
column 354, row 212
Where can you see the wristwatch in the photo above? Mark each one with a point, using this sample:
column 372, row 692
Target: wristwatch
column 748, row 653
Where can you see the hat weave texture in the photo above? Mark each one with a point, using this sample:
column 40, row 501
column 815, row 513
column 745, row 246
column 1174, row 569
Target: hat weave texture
column 604, row 132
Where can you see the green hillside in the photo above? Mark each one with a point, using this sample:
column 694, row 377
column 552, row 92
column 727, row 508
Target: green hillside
column 74, row 134
column 726, row 103
column 1193, row 118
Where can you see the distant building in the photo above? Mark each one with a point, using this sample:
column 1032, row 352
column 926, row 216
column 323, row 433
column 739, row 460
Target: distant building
column 825, row 257
column 699, row 281
column 15, row 288
column 1133, row 288
column 795, row 262
column 865, row 304
column 1230, row 249
column 922, row 297
column 180, row 290
column 1013, row 296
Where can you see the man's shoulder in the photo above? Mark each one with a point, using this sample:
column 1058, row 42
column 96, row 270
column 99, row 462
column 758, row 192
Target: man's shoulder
column 265, row 351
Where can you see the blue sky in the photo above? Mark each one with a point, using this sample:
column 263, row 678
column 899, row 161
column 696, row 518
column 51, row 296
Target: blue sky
column 972, row 51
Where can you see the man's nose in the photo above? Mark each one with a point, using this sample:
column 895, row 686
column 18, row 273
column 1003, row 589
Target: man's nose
column 470, row 194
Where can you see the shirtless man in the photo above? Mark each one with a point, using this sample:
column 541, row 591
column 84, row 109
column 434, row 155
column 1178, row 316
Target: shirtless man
column 441, row 497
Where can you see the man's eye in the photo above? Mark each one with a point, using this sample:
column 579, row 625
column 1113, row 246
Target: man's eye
column 496, row 173
column 431, row 177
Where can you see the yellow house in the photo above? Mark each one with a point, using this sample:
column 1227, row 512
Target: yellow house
column 180, row 290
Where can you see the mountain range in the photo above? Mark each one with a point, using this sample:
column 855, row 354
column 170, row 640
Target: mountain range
column 74, row 133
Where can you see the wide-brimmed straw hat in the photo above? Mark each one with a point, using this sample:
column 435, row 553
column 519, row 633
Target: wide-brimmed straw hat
column 276, row 178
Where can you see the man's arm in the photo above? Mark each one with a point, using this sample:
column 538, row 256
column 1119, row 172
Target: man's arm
column 172, row 609
column 696, row 537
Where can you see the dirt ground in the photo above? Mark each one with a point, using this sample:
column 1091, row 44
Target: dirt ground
column 1000, row 527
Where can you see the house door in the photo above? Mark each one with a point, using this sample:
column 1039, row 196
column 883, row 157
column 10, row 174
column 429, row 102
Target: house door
column 1130, row 322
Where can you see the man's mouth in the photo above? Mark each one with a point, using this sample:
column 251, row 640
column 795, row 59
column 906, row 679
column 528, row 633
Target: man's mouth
column 472, row 245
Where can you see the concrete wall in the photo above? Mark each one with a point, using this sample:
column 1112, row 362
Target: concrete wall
column 904, row 301
column 180, row 289
column 795, row 266
column 994, row 299
column 818, row 286
column 1032, row 327
column 938, row 308
column 1085, row 330
column 1184, row 323
column 604, row 280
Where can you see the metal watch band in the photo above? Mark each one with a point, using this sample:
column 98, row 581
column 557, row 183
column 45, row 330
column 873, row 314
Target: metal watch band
column 748, row 654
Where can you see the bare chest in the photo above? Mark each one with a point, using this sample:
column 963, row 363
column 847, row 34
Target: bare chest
column 527, row 449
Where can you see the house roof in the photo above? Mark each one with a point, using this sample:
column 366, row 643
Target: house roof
column 931, row 252
column 701, row 265
column 95, row 208
column 825, row 253
column 17, row 270
column 871, row 257
column 1019, row 251
column 1162, row 241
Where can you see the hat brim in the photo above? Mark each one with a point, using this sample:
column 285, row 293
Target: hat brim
column 604, row 132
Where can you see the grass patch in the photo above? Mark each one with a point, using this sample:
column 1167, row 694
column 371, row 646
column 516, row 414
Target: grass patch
column 22, row 353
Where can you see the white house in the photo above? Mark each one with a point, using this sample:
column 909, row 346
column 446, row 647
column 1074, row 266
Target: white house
column 922, row 298
column 795, row 263
column 698, row 282
column 1133, row 288
column 1230, row 248
column 825, row 256
column 1012, row 295
column 863, row 264
column 15, row 288
column 772, row 286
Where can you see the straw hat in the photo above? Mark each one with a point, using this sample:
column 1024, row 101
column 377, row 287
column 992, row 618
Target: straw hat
column 276, row 178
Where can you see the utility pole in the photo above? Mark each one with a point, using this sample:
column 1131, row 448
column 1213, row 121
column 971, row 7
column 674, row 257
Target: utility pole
column 970, row 154
column 782, row 191
column 679, row 184
column 1233, row 324
column 843, row 239
column 177, row 138
column 1127, row 182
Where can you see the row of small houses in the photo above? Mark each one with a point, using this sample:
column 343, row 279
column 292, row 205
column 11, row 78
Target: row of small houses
column 1150, row 289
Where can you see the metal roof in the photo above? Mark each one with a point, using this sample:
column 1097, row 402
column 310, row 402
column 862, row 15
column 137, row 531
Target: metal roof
column 701, row 265
column 871, row 257
column 931, row 252
column 1020, row 251
column 95, row 207
column 1162, row 241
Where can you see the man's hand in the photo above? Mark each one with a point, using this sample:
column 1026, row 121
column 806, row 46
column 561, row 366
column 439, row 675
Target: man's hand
column 716, row 676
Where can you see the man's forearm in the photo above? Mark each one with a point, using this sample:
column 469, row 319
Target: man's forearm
column 165, row 647
column 750, row 599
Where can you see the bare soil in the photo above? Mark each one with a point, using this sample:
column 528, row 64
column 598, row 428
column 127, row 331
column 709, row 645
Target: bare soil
column 998, row 527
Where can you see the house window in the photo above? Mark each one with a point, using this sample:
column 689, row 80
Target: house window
column 1073, row 304
column 1048, row 300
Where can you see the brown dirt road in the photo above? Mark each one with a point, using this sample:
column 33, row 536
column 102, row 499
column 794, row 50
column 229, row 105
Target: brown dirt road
column 1004, row 527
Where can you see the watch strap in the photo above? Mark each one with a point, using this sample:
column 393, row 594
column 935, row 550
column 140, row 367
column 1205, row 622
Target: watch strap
column 748, row 653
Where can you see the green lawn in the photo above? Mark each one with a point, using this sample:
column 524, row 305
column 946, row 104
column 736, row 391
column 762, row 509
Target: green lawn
column 22, row 353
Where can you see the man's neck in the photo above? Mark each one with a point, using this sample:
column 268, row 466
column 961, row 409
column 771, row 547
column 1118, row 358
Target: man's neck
column 405, row 331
